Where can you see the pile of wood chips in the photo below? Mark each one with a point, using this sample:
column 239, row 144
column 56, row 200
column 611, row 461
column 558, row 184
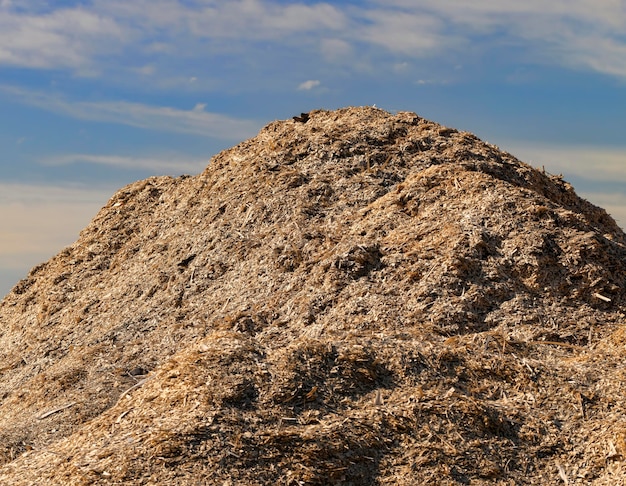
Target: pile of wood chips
column 353, row 297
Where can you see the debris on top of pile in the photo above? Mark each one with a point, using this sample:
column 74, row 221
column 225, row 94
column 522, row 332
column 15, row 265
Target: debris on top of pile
column 350, row 297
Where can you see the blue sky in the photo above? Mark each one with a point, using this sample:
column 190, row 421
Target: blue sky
column 97, row 94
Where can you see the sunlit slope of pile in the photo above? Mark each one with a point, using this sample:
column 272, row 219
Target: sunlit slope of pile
column 358, row 298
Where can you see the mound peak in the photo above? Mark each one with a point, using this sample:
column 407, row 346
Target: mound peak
column 350, row 297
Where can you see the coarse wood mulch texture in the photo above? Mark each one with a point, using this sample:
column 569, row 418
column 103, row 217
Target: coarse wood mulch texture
column 352, row 297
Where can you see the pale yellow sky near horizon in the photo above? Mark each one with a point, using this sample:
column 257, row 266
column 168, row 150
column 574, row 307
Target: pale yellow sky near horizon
column 38, row 222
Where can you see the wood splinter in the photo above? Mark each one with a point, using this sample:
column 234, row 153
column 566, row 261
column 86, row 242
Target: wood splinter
column 601, row 297
column 55, row 410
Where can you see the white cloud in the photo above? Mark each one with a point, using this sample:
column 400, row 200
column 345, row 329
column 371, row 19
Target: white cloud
column 236, row 20
column 146, row 70
column 573, row 33
column 413, row 34
column 334, row 49
column 601, row 54
column 255, row 19
column 104, row 36
column 160, row 118
column 431, row 82
column 60, row 38
column 309, row 85
column 401, row 67
column 172, row 164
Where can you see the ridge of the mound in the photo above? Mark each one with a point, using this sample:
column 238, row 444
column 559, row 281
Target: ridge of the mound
column 352, row 297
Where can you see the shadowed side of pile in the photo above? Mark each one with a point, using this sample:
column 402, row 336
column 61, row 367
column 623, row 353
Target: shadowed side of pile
column 364, row 298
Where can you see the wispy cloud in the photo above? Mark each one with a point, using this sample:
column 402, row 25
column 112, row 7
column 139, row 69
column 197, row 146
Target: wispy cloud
column 57, row 38
column 407, row 33
column 118, row 36
column 335, row 50
column 264, row 19
column 195, row 121
column 573, row 33
column 309, row 85
column 173, row 164
column 236, row 19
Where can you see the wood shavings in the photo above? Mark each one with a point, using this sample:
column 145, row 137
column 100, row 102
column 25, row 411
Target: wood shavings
column 272, row 300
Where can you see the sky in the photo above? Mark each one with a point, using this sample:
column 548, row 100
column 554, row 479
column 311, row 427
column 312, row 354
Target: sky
column 96, row 94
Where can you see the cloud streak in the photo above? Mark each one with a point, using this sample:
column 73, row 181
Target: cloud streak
column 103, row 35
column 572, row 33
column 194, row 121
column 309, row 85
column 62, row 38
column 174, row 164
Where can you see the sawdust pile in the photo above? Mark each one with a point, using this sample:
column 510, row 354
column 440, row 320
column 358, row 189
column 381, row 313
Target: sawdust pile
column 353, row 298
